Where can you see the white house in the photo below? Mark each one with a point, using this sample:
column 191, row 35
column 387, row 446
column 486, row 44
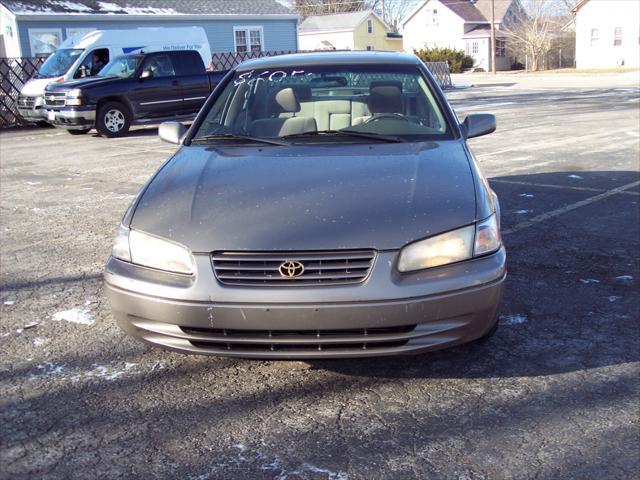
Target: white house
column 463, row 25
column 607, row 33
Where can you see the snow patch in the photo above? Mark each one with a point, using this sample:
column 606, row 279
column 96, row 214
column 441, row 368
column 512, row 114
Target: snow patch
column 527, row 195
column 97, row 372
column 271, row 464
column 613, row 298
column 39, row 341
column 513, row 319
column 624, row 279
column 523, row 212
column 9, row 302
column 589, row 280
column 577, row 177
column 75, row 315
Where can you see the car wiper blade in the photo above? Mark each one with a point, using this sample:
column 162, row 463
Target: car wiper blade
column 246, row 138
column 348, row 133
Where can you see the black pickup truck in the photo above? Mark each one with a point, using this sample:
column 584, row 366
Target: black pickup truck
column 132, row 90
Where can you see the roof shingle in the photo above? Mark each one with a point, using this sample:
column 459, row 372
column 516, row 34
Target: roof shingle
column 148, row 7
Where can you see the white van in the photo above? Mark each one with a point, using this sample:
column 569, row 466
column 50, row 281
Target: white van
column 84, row 55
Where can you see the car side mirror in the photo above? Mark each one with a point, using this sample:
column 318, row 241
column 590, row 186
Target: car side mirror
column 478, row 124
column 146, row 73
column 172, row 132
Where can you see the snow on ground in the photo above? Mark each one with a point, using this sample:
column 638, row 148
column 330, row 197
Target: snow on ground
column 513, row 319
column 75, row 315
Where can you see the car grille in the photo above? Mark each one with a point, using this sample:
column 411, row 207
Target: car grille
column 25, row 101
column 54, row 99
column 320, row 268
column 299, row 340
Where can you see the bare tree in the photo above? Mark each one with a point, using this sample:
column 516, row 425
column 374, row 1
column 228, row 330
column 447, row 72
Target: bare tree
column 530, row 32
column 393, row 12
column 323, row 7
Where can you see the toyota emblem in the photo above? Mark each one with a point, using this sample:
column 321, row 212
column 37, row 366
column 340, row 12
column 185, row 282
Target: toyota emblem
column 291, row 269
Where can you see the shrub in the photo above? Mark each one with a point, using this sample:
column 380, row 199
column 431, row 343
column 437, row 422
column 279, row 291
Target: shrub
column 457, row 60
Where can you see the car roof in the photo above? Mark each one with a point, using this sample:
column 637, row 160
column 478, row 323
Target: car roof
column 330, row 58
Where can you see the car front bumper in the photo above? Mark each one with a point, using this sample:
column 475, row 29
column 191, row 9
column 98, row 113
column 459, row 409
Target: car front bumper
column 30, row 108
column 388, row 314
column 77, row 118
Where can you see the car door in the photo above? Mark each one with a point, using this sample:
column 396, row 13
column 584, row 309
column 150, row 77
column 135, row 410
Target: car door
column 194, row 80
column 158, row 92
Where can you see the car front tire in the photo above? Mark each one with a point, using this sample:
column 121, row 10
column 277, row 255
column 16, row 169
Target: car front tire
column 114, row 120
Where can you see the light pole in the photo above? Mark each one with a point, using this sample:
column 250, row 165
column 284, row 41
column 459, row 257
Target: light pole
column 493, row 37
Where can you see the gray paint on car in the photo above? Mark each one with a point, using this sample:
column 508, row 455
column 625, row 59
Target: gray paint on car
column 309, row 197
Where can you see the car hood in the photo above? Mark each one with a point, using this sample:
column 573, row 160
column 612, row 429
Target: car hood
column 308, row 197
column 81, row 83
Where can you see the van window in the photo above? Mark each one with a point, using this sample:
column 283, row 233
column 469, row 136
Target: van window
column 160, row 65
column 188, row 63
column 59, row 62
column 93, row 63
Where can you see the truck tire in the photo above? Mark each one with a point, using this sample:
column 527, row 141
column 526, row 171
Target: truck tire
column 114, row 119
column 79, row 132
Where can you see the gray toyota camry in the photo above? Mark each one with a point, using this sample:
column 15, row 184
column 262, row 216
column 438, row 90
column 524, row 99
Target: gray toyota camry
column 320, row 205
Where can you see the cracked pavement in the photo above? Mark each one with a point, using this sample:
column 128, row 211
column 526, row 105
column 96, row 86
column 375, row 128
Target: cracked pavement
column 554, row 394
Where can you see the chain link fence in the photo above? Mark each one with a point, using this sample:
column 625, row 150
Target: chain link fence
column 15, row 72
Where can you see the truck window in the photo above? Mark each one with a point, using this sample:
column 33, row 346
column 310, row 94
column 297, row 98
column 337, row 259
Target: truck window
column 93, row 63
column 159, row 65
column 188, row 63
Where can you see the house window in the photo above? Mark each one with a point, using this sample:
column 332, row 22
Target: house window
column 474, row 47
column 617, row 36
column 434, row 18
column 370, row 47
column 369, row 26
column 43, row 41
column 248, row 39
column 501, row 49
column 595, row 35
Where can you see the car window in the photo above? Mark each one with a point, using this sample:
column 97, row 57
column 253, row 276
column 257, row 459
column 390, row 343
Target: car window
column 371, row 99
column 188, row 63
column 93, row 63
column 159, row 65
column 123, row 66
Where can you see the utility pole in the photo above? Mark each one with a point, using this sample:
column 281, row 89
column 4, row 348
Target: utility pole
column 493, row 37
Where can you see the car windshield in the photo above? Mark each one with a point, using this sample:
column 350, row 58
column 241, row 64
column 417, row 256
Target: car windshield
column 124, row 66
column 59, row 62
column 359, row 103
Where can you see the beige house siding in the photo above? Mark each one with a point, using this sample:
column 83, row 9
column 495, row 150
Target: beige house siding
column 377, row 40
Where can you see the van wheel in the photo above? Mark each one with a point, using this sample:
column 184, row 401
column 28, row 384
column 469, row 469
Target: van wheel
column 113, row 120
column 79, row 132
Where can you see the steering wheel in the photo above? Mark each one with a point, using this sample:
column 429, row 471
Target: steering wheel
column 380, row 116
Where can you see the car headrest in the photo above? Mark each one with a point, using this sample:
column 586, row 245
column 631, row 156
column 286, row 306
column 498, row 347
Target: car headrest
column 386, row 83
column 302, row 91
column 285, row 101
column 385, row 99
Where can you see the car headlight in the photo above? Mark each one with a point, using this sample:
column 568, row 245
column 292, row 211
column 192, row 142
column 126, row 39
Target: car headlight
column 153, row 252
column 73, row 97
column 455, row 246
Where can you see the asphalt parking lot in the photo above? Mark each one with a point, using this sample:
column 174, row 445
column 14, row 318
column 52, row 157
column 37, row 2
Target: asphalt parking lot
column 555, row 394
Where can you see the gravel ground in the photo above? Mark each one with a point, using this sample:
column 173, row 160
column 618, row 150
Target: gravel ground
column 553, row 395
